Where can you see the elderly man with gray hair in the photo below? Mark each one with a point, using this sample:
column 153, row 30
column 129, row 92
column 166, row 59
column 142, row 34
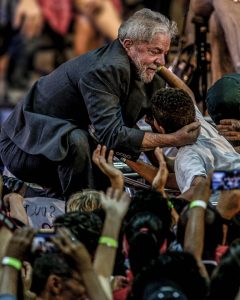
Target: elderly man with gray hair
column 46, row 139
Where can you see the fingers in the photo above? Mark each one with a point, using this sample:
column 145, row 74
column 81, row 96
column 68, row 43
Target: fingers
column 227, row 121
column 103, row 151
column 99, row 156
column 224, row 127
column 231, row 136
column 113, row 194
column 229, row 125
column 194, row 126
column 63, row 240
column 159, row 155
column 110, row 157
column 96, row 154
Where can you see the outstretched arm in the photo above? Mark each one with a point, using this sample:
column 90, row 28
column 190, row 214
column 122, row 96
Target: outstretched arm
column 194, row 234
column 184, row 136
column 174, row 81
column 76, row 251
column 16, row 251
column 115, row 205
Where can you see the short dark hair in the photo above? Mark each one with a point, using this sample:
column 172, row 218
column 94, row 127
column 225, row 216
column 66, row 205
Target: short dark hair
column 178, row 267
column 172, row 108
column 151, row 201
column 44, row 266
column 144, row 234
column 86, row 227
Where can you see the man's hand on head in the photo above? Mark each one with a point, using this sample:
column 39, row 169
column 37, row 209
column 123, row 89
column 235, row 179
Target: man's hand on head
column 187, row 135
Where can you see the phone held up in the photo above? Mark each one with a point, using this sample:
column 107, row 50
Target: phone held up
column 225, row 180
column 42, row 242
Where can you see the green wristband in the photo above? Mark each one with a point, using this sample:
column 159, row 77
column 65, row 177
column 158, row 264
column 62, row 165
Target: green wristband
column 12, row 262
column 109, row 242
column 198, row 203
column 170, row 205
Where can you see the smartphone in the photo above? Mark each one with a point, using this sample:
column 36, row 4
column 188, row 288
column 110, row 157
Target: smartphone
column 225, row 180
column 42, row 242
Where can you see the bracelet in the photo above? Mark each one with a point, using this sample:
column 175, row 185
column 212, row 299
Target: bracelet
column 198, row 203
column 170, row 205
column 109, row 242
column 12, row 262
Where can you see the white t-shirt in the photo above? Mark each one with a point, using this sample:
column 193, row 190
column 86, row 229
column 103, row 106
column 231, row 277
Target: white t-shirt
column 210, row 151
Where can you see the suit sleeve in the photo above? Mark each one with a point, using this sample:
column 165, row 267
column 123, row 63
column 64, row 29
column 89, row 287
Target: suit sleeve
column 102, row 98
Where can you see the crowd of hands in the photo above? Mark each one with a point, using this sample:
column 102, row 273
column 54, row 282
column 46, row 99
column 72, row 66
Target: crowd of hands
column 115, row 203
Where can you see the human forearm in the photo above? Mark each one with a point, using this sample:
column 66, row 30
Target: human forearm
column 194, row 234
column 18, row 212
column 174, row 81
column 104, row 253
column 93, row 286
column 152, row 140
column 8, row 283
column 16, row 208
column 184, row 136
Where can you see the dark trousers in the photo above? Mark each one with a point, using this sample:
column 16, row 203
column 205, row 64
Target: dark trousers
column 74, row 173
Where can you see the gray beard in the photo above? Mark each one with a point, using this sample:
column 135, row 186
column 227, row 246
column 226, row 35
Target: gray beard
column 141, row 71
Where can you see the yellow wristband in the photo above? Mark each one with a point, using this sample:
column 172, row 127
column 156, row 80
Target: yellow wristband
column 107, row 241
column 12, row 262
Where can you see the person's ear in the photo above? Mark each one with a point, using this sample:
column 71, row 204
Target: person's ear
column 159, row 128
column 54, row 285
column 127, row 44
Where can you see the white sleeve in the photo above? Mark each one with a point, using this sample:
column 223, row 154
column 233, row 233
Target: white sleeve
column 199, row 115
column 188, row 164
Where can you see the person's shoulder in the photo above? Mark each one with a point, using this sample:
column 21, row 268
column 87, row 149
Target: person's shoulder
column 114, row 56
column 188, row 152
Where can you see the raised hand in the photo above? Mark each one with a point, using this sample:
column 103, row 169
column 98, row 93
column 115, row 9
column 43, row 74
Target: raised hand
column 106, row 166
column 72, row 248
column 20, row 243
column 187, row 135
column 160, row 179
column 115, row 202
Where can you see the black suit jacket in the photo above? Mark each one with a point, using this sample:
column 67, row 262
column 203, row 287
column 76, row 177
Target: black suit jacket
column 99, row 88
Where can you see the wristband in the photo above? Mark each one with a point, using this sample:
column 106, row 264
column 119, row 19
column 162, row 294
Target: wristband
column 107, row 241
column 198, row 203
column 12, row 262
column 170, row 205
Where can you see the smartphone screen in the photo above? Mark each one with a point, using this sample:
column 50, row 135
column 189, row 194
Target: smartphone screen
column 225, row 180
column 42, row 243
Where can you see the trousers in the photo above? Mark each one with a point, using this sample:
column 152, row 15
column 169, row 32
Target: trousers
column 62, row 178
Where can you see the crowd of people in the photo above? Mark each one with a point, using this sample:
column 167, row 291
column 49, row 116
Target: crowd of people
column 60, row 143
